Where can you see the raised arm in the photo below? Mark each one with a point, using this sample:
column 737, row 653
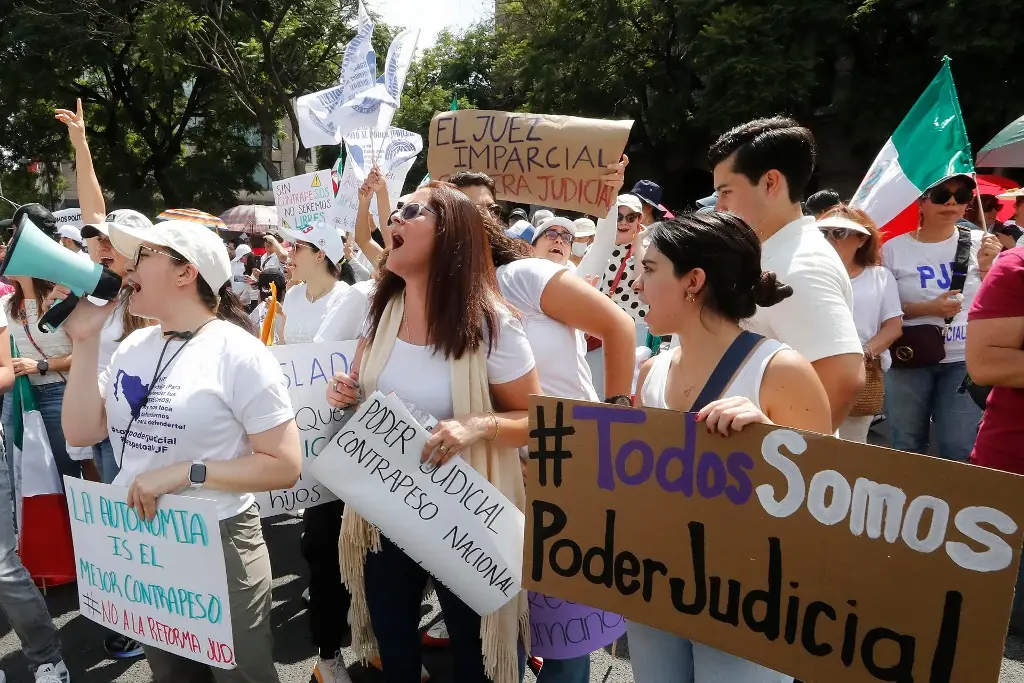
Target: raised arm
column 90, row 195
column 600, row 252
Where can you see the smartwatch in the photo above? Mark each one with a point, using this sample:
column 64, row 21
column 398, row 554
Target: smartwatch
column 43, row 366
column 197, row 475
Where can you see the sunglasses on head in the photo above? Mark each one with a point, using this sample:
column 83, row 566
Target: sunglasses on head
column 837, row 234
column 629, row 217
column 942, row 194
column 563, row 236
column 411, row 212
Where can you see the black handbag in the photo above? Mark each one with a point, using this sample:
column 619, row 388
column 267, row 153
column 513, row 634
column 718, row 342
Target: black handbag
column 924, row 345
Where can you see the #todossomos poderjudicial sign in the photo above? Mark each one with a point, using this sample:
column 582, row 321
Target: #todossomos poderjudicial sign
column 821, row 558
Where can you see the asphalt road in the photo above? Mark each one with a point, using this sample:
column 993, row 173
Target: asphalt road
column 293, row 647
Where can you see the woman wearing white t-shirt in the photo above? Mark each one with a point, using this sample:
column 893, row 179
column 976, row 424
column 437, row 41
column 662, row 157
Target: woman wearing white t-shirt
column 223, row 407
column 241, row 274
column 876, row 301
column 702, row 276
column 317, row 253
column 920, row 395
column 441, row 339
column 555, row 305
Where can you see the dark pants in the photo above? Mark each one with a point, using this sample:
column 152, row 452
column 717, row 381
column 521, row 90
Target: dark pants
column 329, row 600
column 394, row 592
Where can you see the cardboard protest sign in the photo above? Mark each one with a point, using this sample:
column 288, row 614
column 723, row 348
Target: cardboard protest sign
column 307, row 199
column 560, row 629
column 554, row 161
column 823, row 559
column 162, row 582
column 449, row 519
column 308, row 368
column 72, row 217
column 394, row 150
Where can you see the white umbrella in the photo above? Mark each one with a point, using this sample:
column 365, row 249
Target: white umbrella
column 254, row 219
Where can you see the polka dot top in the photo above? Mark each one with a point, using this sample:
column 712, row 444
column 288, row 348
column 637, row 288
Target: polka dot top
column 624, row 296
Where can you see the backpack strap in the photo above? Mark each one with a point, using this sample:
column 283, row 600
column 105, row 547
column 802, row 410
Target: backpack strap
column 724, row 373
column 961, row 263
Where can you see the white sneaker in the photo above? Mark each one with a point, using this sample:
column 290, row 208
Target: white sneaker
column 329, row 671
column 53, row 673
column 3, row 677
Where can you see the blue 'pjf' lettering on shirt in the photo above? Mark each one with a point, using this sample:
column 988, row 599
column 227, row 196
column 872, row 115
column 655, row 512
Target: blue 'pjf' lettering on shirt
column 928, row 273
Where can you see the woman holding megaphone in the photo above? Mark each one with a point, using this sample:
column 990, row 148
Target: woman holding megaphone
column 213, row 377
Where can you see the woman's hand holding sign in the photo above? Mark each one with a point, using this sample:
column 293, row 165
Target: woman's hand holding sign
column 343, row 391
column 147, row 488
column 731, row 414
column 451, row 437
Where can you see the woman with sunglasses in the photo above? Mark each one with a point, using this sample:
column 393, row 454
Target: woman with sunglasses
column 876, row 301
column 223, row 405
column 439, row 336
column 929, row 363
column 316, row 258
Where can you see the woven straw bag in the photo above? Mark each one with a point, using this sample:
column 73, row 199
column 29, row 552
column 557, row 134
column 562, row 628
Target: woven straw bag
column 869, row 400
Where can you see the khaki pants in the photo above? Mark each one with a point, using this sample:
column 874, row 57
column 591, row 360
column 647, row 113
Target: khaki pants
column 249, row 581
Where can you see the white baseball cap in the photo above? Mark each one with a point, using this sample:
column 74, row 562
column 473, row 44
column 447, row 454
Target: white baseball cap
column 199, row 245
column 630, row 201
column 841, row 222
column 557, row 221
column 321, row 235
column 71, row 232
column 585, row 227
column 126, row 217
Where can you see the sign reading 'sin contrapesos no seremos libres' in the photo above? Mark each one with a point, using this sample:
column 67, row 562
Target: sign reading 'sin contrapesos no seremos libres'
column 823, row 559
column 554, row 161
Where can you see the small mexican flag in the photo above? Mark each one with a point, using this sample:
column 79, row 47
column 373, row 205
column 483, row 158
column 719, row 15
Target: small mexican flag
column 44, row 530
column 928, row 147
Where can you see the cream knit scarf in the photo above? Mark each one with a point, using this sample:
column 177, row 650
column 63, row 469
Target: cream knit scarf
column 501, row 630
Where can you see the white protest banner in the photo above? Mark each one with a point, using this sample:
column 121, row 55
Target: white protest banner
column 399, row 60
column 161, row 582
column 325, row 117
column 394, row 150
column 307, row 199
column 359, row 62
column 72, row 217
column 308, row 369
column 450, row 519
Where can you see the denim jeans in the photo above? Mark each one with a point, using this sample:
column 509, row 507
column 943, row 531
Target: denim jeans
column 917, row 397
column 660, row 657
column 49, row 398
column 19, row 597
column 106, row 462
column 394, row 591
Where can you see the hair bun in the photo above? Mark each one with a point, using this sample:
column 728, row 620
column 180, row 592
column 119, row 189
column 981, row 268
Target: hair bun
column 769, row 291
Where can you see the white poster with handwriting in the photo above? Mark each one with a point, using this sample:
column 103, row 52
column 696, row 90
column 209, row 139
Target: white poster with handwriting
column 393, row 150
column 308, row 199
column 308, row 368
column 451, row 519
column 161, row 582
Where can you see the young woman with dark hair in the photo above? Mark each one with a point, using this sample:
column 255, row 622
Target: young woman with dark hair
column 316, row 258
column 440, row 337
column 214, row 377
column 702, row 276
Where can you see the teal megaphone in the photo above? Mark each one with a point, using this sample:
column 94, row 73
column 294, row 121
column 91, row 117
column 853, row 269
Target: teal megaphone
column 31, row 253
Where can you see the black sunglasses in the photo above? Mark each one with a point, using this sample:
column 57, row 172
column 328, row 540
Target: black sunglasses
column 941, row 195
column 411, row 212
column 629, row 217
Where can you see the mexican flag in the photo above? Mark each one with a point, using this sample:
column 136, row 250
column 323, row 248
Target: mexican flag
column 928, row 147
column 44, row 529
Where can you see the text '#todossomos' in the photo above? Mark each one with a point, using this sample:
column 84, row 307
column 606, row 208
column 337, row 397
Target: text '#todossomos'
column 819, row 558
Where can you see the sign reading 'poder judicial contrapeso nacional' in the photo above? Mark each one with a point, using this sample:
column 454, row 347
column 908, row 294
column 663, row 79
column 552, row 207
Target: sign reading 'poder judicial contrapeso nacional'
column 823, row 559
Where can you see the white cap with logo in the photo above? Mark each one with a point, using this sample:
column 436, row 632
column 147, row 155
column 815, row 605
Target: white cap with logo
column 126, row 217
column 322, row 236
column 71, row 232
column 199, row 245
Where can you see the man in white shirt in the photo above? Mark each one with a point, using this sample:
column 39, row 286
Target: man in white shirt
column 761, row 169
